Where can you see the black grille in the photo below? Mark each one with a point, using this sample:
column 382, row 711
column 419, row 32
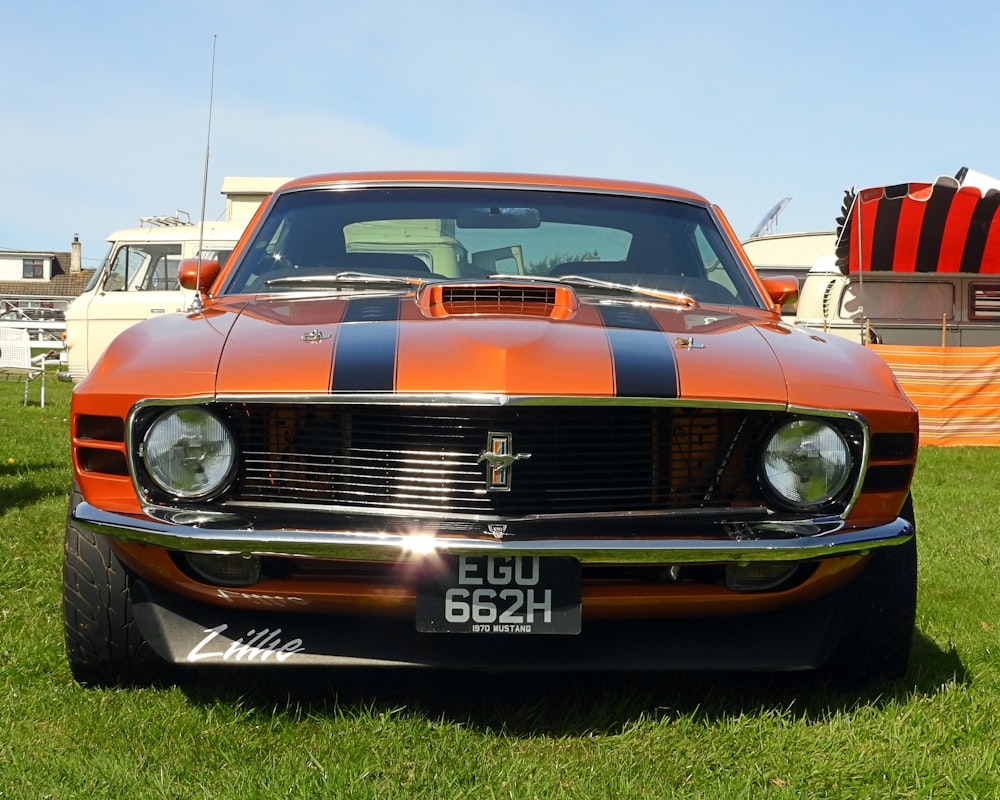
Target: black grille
column 484, row 299
column 582, row 459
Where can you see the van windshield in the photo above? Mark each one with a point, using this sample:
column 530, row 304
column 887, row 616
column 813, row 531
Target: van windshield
column 142, row 267
column 149, row 266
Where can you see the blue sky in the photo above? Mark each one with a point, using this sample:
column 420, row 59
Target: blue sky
column 105, row 105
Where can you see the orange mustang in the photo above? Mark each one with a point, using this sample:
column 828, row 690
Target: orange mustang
column 483, row 421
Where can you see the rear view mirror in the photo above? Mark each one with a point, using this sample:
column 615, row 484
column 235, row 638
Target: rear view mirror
column 498, row 218
column 782, row 289
column 190, row 276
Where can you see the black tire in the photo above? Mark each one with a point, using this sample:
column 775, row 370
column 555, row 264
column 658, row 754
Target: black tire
column 103, row 644
column 878, row 616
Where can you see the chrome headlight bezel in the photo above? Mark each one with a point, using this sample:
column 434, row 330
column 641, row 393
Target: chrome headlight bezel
column 185, row 453
column 808, row 464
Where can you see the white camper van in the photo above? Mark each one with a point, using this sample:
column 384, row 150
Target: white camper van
column 138, row 278
column 788, row 254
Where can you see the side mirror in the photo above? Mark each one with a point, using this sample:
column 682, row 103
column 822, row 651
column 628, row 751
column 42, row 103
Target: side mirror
column 191, row 277
column 782, row 289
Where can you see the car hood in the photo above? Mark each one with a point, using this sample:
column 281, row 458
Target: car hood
column 378, row 344
column 389, row 344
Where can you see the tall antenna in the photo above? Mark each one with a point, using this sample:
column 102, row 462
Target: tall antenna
column 196, row 303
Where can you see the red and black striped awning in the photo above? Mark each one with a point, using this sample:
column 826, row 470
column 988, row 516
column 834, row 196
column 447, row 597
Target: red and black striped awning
column 920, row 227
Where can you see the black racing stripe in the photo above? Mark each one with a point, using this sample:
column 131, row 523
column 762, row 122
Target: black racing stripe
column 884, row 233
column 373, row 309
column 979, row 232
column 365, row 358
column 644, row 364
column 932, row 228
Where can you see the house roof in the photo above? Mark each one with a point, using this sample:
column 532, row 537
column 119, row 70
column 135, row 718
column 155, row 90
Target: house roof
column 63, row 283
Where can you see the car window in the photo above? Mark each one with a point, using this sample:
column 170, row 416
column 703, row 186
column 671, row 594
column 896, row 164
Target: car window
column 434, row 233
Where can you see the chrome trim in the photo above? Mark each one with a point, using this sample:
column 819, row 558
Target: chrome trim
column 228, row 535
column 488, row 399
column 315, row 336
column 395, row 513
column 865, row 444
column 481, row 399
column 499, row 460
column 133, row 456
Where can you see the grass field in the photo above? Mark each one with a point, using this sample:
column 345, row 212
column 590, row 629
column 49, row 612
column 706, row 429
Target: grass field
column 409, row 734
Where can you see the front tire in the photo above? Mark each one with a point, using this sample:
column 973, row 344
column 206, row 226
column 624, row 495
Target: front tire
column 878, row 616
column 103, row 643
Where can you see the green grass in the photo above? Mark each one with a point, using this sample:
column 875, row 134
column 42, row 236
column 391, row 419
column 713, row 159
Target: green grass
column 357, row 734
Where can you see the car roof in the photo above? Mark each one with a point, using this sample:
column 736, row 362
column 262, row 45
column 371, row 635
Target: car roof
column 495, row 179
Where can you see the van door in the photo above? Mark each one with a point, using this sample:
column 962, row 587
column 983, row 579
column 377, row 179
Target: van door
column 139, row 281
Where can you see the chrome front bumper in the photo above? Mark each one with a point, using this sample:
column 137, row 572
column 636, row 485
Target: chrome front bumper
column 770, row 541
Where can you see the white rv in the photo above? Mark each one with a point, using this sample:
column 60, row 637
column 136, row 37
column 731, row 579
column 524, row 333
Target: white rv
column 788, row 254
column 138, row 278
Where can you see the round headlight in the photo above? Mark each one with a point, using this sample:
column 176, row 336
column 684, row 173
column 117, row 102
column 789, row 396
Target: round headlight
column 805, row 463
column 188, row 452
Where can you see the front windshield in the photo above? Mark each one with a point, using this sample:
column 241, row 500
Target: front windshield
column 314, row 238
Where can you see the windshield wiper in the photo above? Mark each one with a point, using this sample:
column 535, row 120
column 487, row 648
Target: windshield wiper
column 584, row 282
column 340, row 278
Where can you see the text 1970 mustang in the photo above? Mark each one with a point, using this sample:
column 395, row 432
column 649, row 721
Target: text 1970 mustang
column 483, row 421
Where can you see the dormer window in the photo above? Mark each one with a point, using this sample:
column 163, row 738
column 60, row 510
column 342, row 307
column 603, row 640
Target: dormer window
column 33, row 268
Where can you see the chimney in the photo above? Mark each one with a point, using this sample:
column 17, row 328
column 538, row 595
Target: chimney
column 75, row 257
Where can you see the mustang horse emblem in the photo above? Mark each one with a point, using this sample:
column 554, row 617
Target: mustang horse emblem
column 499, row 460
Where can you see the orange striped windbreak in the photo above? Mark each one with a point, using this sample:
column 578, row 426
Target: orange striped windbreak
column 955, row 389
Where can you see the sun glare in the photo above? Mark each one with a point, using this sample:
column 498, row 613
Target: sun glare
column 419, row 544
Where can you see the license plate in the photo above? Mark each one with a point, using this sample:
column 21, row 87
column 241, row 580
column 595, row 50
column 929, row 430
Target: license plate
column 500, row 595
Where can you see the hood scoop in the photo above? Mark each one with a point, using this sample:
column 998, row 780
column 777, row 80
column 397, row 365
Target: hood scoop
column 505, row 298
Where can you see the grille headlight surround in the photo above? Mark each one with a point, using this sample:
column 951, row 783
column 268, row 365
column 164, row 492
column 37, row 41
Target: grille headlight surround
column 805, row 463
column 189, row 453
